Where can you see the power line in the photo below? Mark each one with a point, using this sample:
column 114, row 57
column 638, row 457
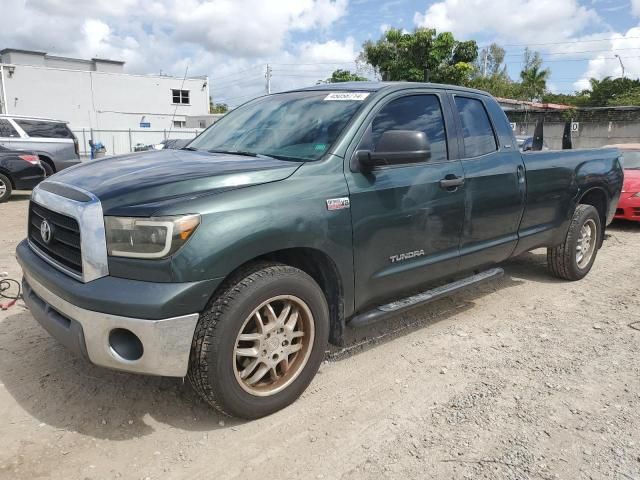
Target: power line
column 574, row 53
column 559, row 43
column 236, row 73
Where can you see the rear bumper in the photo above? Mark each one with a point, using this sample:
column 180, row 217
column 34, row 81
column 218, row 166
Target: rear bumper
column 166, row 343
column 62, row 164
column 628, row 208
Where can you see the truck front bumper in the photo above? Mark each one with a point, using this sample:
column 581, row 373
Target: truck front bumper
column 157, row 346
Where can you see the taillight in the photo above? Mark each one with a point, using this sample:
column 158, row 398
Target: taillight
column 32, row 159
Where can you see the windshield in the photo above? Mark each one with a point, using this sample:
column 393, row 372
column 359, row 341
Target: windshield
column 291, row 126
column 631, row 159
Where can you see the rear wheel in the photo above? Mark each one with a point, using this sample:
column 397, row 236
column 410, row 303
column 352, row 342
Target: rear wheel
column 48, row 170
column 260, row 343
column 5, row 188
column 573, row 259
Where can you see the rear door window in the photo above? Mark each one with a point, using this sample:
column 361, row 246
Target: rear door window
column 39, row 129
column 477, row 131
column 7, row 130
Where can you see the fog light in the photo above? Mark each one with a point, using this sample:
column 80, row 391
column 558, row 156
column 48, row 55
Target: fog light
column 125, row 344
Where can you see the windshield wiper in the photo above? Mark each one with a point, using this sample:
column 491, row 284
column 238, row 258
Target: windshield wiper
column 234, row 152
column 284, row 157
column 193, row 149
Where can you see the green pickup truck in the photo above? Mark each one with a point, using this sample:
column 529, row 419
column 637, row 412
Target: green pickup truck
column 235, row 260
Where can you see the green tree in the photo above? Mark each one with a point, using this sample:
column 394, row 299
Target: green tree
column 218, row 107
column 343, row 76
column 533, row 77
column 577, row 99
column 490, row 62
column 398, row 55
column 612, row 91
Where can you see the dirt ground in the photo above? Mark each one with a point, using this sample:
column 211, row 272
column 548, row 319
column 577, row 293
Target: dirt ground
column 526, row 377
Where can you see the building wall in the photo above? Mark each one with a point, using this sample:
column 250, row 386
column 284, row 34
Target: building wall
column 101, row 100
column 589, row 134
column 597, row 127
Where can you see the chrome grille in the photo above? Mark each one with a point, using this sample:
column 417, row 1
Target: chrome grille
column 64, row 246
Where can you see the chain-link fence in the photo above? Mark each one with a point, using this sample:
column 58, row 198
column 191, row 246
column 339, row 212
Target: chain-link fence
column 117, row 142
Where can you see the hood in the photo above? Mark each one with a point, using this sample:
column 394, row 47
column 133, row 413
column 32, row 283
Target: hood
column 631, row 180
column 157, row 176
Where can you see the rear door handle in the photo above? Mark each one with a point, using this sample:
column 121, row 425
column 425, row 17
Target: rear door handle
column 451, row 182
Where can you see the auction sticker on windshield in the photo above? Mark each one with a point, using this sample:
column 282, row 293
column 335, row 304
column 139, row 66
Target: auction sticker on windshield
column 357, row 96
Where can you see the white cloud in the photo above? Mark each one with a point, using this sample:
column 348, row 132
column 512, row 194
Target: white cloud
column 213, row 37
column 251, row 27
column 635, row 7
column 605, row 64
column 522, row 20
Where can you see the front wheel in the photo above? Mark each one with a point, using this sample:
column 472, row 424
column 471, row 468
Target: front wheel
column 573, row 259
column 261, row 342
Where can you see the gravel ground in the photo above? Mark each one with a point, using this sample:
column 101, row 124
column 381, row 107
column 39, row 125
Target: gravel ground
column 526, row 377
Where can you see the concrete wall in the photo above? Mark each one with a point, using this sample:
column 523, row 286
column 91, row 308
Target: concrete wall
column 101, row 100
column 589, row 134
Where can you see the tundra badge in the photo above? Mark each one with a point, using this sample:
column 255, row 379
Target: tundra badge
column 406, row 256
column 338, row 203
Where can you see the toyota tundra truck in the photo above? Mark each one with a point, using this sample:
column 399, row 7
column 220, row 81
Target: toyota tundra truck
column 236, row 260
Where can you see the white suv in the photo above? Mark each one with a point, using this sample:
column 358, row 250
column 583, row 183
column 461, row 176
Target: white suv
column 52, row 140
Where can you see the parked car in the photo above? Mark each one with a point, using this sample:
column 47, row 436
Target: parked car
column 52, row 140
column 525, row 143
column 19, row 170
column 293, row 217
column 629, row 205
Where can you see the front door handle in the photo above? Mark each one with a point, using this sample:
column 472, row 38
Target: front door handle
column 451, row 182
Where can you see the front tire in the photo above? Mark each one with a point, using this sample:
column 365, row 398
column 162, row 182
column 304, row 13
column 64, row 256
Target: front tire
column 573, row 259
column 260, row 342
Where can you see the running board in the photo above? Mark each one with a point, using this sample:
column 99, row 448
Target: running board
column 393, row 308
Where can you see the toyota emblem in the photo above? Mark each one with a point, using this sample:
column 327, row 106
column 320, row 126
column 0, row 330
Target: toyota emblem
column 45, row 232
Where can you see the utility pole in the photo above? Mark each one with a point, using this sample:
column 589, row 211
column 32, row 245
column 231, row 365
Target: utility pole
column 267, row 75
column 621, row 64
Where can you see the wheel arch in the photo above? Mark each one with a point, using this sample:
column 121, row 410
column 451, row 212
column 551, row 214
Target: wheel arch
column 8, row 175
column 597, row 197
column 319, row 266
column 44, row 158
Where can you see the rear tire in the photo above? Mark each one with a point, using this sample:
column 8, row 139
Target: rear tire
column 5, row 188
column 48, row 170
column 573, row 259
column 261, row 341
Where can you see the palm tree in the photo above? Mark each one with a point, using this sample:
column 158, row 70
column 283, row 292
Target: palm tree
column 534, row 81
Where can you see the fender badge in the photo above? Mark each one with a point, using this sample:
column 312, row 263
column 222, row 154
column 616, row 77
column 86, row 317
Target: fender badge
column 338, row 203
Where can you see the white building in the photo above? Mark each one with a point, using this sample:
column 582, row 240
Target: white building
column 97, row 94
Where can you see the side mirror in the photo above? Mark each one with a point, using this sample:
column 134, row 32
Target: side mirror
column 395, row 147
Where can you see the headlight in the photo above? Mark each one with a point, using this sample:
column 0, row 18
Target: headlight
column 155, row 237
column 636, row 195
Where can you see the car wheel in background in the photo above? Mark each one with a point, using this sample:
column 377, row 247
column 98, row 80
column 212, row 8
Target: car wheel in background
column 260, row 342
column 5, row 188
column 573, row 259
column 48, row 171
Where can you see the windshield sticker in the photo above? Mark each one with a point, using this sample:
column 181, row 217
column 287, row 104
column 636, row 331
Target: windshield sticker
column 320, row 147
column 349, row 96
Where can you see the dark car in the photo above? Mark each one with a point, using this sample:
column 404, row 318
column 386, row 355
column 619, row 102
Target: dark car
column 19, row 170
column 295, row 217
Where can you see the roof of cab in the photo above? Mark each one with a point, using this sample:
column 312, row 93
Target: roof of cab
column 387, row 86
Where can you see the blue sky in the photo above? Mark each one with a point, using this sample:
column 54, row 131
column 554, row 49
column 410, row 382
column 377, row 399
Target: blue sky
column 231, row 41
